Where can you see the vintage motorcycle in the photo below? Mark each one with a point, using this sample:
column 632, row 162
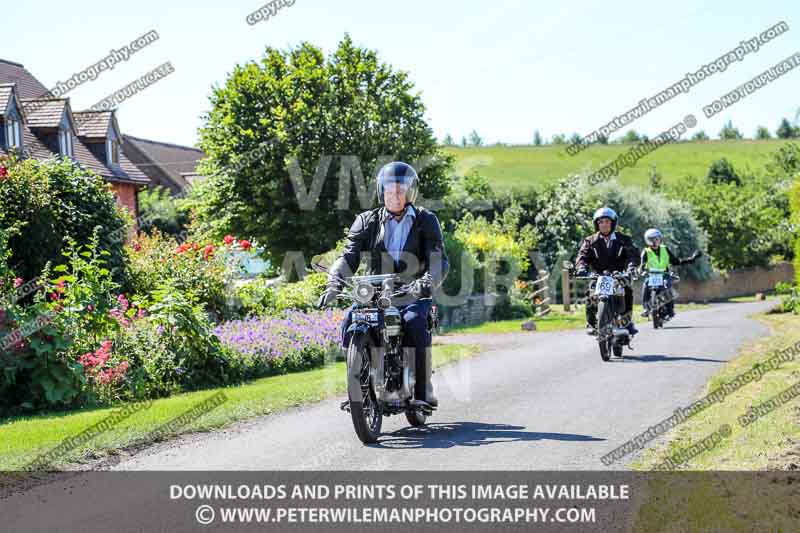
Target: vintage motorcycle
column 608, row 291
column 660, row 295
column 380, row 374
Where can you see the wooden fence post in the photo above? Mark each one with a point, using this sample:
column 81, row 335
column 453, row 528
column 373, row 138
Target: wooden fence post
column 566, row 290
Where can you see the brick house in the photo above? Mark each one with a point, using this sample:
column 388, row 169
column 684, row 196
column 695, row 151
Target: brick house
column 40, row 126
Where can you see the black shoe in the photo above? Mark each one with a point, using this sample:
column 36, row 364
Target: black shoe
column 632, row 329
column 591, row 330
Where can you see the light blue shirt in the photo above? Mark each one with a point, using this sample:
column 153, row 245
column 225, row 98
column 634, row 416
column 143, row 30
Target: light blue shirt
column 396, row 233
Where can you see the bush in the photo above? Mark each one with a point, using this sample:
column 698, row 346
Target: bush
column 497, row 248
column 746, row 224
column 158, row 209
column 794, row 198
column 192, row 269
column 54, row 201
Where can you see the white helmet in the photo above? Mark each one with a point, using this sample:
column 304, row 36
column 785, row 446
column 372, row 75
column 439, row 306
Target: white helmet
column 651, row 234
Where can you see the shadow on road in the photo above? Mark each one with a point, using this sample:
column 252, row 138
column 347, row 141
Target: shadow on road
column 450, row 434
column 661, row 358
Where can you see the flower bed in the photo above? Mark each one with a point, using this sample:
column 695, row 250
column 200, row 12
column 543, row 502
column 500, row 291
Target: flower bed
column 295, row 341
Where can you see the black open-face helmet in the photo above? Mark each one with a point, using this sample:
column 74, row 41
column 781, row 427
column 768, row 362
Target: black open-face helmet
column 398, row 172
column 605, row 212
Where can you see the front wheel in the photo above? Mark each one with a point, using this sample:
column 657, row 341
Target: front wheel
column 604, row 331
column 364, row 407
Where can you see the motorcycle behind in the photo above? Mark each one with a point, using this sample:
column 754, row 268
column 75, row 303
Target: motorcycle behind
column 660, row 295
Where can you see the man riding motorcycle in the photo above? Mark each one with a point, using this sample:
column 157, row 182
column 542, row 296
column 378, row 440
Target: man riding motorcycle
column 657, row 258
column 403, row 239
column 607, row 250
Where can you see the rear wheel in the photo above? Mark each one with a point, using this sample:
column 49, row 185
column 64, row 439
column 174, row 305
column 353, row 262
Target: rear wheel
column 605, row 325
column 367, row 414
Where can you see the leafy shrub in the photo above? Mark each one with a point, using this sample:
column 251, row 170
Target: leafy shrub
column 192, row 269
column 158, row 209
column 746, row 224
column 54, row 201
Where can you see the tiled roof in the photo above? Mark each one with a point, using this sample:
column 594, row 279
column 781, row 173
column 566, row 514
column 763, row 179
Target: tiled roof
column 5, row 94
column 44, row 112
column 93, row 124
column 27, row 85
column 176, row 161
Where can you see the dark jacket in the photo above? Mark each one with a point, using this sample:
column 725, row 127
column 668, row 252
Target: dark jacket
column 424, row 241
column 594, row 255
column 673, row 259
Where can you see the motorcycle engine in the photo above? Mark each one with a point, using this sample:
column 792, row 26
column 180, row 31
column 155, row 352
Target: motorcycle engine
column 391, row 317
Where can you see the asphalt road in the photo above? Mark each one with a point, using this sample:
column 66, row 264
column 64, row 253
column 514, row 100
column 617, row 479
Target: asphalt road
column 532, row 401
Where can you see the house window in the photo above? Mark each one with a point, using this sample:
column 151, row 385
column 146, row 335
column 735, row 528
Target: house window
column 65, row 141
column 112, row 147
column 13, row 134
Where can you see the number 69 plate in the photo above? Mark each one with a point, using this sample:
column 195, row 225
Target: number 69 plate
column 605, row 286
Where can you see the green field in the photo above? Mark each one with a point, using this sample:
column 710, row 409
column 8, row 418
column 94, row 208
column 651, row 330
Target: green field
column 523, row 166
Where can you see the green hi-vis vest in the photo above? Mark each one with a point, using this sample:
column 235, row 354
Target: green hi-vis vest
column 658, row 262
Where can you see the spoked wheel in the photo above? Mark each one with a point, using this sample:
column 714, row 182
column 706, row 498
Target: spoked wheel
column 604, row 335
column 367, row 414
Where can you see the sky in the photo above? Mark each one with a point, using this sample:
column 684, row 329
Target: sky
column 504, row 68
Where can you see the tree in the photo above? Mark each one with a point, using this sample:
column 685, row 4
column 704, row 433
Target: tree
column 559, row 138
column 475, row 139
column 448, row 140
column 537, row 138
column 763, row 133
column 656, row 180
column 631, row 137
column 729, row 133
column 700, row 136
column 295, row 109
column 785, row 130
column 602, row 139
column 576, row 139
column 722, row 171
column 158, row 209
column 463, row 141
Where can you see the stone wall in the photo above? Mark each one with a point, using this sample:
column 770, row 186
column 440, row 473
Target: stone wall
column 740, row 282
column 474, row 311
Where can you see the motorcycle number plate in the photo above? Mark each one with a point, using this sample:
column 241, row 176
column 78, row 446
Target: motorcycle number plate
column 655, row 280
column 605, row 286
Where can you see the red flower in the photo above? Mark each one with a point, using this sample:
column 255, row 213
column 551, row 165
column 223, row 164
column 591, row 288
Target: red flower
column 228, row 240
column 137, row 247
column 3, row 172
column 195, row 246
column 90, row 307
column 208, row 251
column 245, row 244
column 183, row 247
column 18, row 281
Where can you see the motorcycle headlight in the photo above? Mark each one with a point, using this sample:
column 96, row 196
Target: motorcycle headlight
column 363, row 293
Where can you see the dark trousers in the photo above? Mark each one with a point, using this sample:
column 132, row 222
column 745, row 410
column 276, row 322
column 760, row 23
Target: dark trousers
column 591, row 306
column 415, row 335
column 669, row 301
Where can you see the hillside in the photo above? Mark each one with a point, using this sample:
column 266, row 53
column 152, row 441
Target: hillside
column 523, row 166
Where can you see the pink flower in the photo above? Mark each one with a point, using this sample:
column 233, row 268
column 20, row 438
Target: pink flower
column 141, row 313
column 18, row 282
column 228, row 240
column 245, row 244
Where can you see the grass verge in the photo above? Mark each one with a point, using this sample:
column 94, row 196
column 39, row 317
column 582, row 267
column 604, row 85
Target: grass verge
column 22, row 439
column 770, row 443
column 556, row 320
